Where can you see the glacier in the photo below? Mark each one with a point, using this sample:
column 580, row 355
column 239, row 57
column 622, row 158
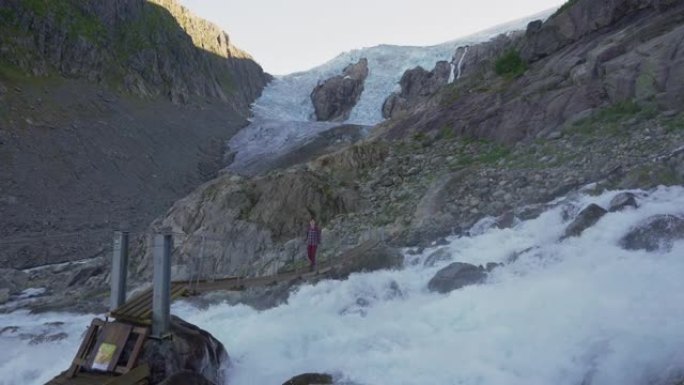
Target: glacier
column 283, row 116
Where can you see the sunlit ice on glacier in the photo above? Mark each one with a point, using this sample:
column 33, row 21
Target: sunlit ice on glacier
column 283, row 114
column 581, row 311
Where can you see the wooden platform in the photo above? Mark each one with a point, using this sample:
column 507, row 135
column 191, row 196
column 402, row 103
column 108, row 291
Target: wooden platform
column 138, row 310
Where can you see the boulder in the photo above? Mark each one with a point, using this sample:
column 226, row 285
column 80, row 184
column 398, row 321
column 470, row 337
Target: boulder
column 439, row 255
column 417, row 85
column 584, row 220
column 456, row 276
column 622, row 201
column 334, row 99
column 13, row 280
column 505, row 220
column 367, row 257
column 658, row 232
column 310, row 379
column 189, row 350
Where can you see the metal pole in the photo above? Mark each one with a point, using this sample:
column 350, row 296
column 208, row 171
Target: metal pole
column 119, row 270
column 161, row 295
column 201, row 261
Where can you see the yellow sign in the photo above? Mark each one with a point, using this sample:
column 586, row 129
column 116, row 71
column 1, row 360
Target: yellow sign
column 104, row 356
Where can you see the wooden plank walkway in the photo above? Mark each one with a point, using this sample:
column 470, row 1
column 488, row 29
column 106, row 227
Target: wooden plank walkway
column 138, row 310
column 239, row 284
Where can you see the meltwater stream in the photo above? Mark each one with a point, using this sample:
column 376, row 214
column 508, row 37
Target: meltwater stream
column 581, row 311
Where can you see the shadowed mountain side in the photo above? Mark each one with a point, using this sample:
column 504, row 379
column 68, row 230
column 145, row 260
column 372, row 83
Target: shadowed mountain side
column 132, row 46
column 109, row 112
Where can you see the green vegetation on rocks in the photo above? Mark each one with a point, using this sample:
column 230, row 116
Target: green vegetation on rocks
column 68, row 13
column 615, row 119
column 510, row 65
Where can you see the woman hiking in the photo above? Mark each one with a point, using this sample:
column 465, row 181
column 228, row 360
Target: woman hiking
column 313, row 239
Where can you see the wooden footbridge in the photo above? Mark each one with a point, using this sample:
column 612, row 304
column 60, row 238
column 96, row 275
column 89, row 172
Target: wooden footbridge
column 109, row 352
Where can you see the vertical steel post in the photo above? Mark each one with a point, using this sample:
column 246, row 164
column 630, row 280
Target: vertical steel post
column 119, row 269
column 161, row 294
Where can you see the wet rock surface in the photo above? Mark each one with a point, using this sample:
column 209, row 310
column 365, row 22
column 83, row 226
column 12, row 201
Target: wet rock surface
column 656, row 233
column 455, row 276
column 190, row 350
column 622, row 201
column 310, row 379
column 584, row 220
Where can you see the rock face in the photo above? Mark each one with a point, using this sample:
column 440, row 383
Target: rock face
column 657, row 232
column 334, row 99
column 13, row 280
column 417, row 85
column 585, row 219
column 249, row 221
column 579, row 20
column 456, row 276
column 575, row 65
column 148, row 48
column 192, row 355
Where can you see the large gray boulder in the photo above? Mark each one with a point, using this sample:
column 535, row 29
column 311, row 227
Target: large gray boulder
column 622, row 201
column 191, row 353
column 656, row 232
column 334, row 99
column 584, row 220
column 417, row 85
column 456, row 276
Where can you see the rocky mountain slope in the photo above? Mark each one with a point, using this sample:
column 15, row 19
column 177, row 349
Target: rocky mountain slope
column 585, row 58
column 147, row 48
column 603, row 106
column 109, row 112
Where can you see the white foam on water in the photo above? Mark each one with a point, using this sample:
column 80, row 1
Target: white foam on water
column 579, row 311
column 24, row 359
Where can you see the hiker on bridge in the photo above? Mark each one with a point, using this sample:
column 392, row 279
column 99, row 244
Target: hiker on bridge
column 313, row 239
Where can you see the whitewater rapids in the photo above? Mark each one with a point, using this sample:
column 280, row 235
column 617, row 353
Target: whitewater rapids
column 581, row 311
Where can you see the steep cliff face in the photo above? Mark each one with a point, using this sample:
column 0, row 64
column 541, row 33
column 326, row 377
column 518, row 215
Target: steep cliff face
column 334, row 99
column 585, row 58
column 417, row 85
column 148, row 48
